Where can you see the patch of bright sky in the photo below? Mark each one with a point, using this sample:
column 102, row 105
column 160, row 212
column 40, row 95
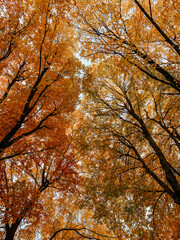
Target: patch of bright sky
column 148, row 212
column 84, row 61
column 87, row 63
column 3, row 11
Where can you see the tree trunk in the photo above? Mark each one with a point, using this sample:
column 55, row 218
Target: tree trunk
column 11, row 230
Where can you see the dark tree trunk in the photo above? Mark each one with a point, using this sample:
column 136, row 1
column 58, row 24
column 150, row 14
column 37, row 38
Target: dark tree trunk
column 11, row 230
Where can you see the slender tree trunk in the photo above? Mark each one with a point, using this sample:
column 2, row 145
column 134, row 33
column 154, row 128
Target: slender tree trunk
column 11, row 230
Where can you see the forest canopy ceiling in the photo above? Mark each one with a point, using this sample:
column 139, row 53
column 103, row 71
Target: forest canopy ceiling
column 117, row 174
column 131, row 132
column 39, row 91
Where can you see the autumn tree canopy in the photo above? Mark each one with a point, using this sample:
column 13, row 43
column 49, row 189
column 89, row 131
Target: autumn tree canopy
column 144, row 34
column 39, row 91
column 131, row 130
column 105, row 167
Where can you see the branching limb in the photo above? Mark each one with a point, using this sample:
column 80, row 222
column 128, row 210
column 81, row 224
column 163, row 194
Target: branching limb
column 78, row 231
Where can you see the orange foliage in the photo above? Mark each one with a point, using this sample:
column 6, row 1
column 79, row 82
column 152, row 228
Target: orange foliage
column 130, row 140
column 39, row 92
